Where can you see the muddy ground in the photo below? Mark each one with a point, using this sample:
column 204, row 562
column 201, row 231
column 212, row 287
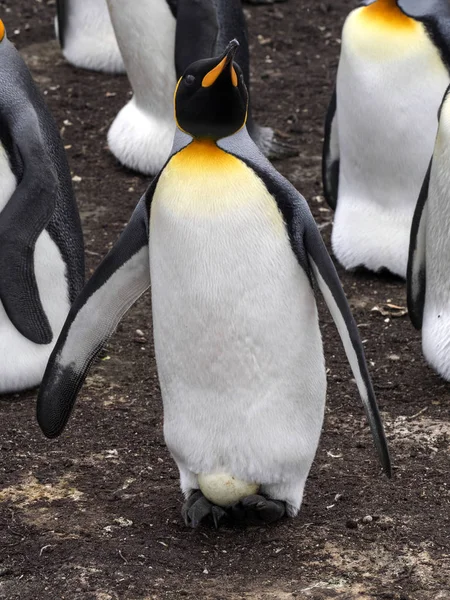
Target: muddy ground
column 96, row 513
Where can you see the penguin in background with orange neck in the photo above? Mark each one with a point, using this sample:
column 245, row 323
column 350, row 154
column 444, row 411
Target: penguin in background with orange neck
column 381, row 126
column 232, row 252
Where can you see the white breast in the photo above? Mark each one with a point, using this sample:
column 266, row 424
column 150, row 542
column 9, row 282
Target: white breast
column 236, row 332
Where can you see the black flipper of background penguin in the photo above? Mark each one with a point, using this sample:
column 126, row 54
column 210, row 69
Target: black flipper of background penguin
column 122, row 277
column 330, row 156
column 204, row 29
column 61, row 16
column 42, row 199
column 311, row 253
column 416, row 273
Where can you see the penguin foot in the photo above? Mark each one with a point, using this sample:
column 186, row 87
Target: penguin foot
column 269, row 144
column 198, row 509
column 257, row 509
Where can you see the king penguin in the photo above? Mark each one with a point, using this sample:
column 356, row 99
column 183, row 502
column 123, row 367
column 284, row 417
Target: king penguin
column 381, row 126
column 232, row 251
column 86, row 36
column 159, row 40
column 429, row 253
column 41, row 244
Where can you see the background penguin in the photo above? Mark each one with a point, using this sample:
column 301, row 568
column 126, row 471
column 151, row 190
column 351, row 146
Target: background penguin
column 141, row 136
column 381, row 126
column 41, row 244
column 231, row 249
column 86, row 36
column 429, row 254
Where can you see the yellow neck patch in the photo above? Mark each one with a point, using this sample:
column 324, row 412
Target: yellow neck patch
column 386, row 13
column 203, row 155
column 2, row 30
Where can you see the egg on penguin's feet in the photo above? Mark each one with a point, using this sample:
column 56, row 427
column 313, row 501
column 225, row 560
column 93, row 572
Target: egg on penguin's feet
column 224, row 490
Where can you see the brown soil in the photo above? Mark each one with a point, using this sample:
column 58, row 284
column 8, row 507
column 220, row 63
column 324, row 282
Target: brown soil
column 96, row 513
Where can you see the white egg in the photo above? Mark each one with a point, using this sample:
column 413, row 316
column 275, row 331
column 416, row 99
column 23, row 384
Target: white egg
column 223, row 489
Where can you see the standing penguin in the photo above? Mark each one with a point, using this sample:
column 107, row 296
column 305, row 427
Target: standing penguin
column 232, row 251
column 86, row 36
column 429, row 253
column 41, row 244
column 158, row 40
column 381, row 125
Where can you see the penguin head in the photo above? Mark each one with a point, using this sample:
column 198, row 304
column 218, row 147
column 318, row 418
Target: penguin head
column 2, row 31
column 211, row 99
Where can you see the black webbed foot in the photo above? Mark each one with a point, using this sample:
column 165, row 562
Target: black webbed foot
column 198, row 509
column 257, row 509
column 252, row 510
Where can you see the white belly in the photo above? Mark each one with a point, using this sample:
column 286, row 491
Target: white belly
column 236, row 331
column 389, row 88
column 22, row 363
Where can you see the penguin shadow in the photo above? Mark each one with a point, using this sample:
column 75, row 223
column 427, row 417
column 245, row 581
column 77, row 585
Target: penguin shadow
column 384, row 275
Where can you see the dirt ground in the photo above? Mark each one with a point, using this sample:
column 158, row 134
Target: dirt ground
column 95, row 514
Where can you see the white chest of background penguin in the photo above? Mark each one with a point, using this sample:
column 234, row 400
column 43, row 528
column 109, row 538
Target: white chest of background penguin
column 230, row 249
column 381, row 126
column 41, row 244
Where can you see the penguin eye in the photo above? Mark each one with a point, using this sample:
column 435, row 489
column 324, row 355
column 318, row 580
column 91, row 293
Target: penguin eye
column 189, row 80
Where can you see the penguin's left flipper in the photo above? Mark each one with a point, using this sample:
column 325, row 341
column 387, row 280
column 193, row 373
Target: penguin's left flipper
column 329, row 284
column 416, row 271
column 122, row 277
column 330, row 156
column 23, row 219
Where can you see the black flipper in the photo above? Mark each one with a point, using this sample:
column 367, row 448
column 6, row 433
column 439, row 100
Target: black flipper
column 122, row 277
column 21, row 222
column 329, row 284
column 61, row 16
column 330, row 156
column 416, row 271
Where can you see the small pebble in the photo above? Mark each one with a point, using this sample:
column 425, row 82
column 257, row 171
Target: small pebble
column 367, row 519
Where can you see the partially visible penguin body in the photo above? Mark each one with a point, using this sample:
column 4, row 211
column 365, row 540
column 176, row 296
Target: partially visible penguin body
column 41, row 245
column 158, row 40
column 232, row 251
column 141, row 135
column 429, row 258
column 380, row 130
column 86, row 36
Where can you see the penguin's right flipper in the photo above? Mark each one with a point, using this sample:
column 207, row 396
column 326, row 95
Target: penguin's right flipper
column 416, row 271
column 61, row 19
column 328, row 281
column 122, row 277
column 330, row 156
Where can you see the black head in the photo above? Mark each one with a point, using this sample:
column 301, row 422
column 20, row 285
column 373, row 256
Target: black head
column 211, row 98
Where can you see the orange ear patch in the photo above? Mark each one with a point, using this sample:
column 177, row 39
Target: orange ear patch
column 387, row 13
column 211, row 77
column 2, row 30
